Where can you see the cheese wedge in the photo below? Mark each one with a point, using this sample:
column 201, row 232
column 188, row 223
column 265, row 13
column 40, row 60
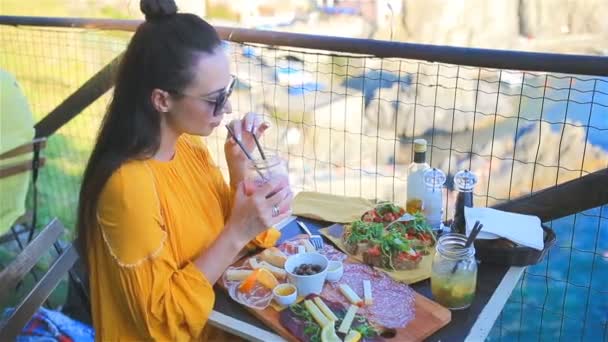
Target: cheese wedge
column 325, row 309
column 367, row 292
column 279, row 273
column 237, row 275
column 316, row 313
column 350, row 295
column 254, row 263
column 274, row 256
column 348, row 319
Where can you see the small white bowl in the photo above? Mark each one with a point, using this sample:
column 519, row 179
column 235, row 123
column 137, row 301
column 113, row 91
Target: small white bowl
column 334, row 271
column 285, row 300
column 307, row 284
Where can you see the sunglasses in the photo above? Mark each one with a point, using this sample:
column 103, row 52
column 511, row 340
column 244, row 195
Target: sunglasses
column 218, row 101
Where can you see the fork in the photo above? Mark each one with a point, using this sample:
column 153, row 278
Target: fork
column 316, row 240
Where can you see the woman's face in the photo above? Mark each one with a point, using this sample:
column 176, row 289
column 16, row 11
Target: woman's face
column 193, row 111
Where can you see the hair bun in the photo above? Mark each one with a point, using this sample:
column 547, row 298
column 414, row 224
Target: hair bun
column 157, row 9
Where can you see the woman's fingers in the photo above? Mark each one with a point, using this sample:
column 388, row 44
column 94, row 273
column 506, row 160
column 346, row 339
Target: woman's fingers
column 237, row 129
column 248, row 122
column 285, row 203
column 279, row 195
column 269, row 187
column 254, row 123
column 284, row 206
column 281, row 217
column 262, row 128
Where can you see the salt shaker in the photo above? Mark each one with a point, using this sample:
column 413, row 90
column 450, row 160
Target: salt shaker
column 433, row 197
column 464, row 181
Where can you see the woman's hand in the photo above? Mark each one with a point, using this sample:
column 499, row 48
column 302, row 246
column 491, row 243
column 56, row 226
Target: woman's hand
column 235, row 158
column 252, row 211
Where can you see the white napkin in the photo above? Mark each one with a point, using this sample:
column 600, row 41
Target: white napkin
column 524, row 230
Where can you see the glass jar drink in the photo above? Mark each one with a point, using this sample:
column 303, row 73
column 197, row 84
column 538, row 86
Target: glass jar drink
column 454, row 272
column 260, row 171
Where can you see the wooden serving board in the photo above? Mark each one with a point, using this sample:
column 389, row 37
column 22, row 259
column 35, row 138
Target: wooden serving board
column 429, row 317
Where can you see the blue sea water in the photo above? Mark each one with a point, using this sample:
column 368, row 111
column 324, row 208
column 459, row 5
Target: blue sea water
column 587, row 105
column 565, row 297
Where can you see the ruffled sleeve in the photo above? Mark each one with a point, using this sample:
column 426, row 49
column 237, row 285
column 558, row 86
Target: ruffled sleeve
column 165, row 299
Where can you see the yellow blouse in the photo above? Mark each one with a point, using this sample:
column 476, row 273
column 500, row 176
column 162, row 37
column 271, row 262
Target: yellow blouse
column 154, row 218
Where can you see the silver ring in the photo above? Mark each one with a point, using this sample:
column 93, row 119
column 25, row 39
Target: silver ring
column 275, row 211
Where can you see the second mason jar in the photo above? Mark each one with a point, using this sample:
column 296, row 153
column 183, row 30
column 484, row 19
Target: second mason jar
column 454, row 273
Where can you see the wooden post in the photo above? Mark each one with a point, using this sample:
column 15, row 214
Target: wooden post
column 90, row 91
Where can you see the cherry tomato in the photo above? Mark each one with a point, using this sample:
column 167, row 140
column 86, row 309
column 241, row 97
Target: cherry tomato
column 374, row 251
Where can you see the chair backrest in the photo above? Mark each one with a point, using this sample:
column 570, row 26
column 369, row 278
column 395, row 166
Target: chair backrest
column 23, row 263
column 36, row 162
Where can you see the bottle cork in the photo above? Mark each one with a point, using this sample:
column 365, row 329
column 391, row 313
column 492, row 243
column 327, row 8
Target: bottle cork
column 419, row 145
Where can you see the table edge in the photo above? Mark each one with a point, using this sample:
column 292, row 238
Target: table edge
column 486, row 319
column 242, row 329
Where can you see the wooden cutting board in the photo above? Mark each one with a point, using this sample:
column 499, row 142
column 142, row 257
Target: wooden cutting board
column 429, row 317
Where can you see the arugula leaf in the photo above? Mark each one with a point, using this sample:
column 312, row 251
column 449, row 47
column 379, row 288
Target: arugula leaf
column 388, row 207
column 418, row 224
column 364, row 328
column 364, row 231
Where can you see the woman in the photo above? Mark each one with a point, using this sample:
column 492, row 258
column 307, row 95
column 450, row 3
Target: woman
column 157, row 223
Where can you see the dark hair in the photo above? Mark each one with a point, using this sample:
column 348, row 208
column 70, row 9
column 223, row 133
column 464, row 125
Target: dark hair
column 161, row 54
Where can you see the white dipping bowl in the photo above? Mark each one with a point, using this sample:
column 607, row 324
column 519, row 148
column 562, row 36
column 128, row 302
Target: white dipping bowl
column 282, row 299
column 307, row 284
column 334, row 271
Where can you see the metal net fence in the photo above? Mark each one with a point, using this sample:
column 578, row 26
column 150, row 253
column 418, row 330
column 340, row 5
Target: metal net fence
column 346, row 123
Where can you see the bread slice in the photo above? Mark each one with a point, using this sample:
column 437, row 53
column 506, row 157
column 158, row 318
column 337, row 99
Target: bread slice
column 274, row 256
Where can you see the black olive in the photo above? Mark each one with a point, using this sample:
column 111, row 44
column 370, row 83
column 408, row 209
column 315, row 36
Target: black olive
column 388, row 333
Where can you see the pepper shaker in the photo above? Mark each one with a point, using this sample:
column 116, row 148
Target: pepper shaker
column 464, row 181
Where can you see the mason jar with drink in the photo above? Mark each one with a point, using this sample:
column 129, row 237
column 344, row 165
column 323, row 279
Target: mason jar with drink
column 454, row 272
column 261, row 170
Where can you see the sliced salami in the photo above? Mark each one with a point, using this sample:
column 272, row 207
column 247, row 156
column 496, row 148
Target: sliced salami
column 393, row 302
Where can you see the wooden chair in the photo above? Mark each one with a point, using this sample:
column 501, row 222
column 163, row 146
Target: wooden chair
column 23, row 263
column 34, row 164
column 35, row 146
